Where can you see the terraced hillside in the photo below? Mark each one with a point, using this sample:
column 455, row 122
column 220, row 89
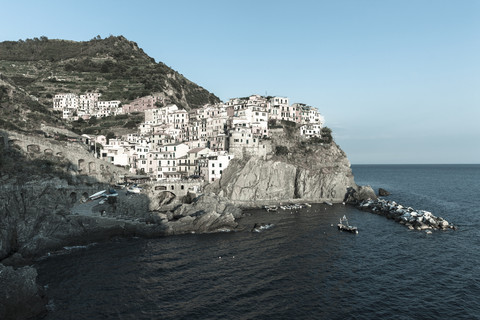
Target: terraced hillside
column 116, row 67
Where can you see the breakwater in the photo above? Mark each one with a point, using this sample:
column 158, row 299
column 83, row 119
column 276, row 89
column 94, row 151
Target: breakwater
column 413, row 219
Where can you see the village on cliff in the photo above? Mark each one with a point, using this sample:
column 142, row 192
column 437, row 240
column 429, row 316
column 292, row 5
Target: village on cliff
column 174, row 144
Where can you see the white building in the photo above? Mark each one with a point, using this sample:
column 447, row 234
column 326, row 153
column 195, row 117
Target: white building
column 311, row 130
column 212, row 165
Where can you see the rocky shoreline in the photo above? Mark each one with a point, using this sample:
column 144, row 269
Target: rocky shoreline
column 411, row 218
column 50, row 216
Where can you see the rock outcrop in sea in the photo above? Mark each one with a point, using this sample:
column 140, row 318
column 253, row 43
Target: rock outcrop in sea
column 413, row 219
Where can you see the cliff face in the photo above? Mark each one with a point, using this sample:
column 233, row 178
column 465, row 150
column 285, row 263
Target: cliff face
column 34, row 217
column 318, row 174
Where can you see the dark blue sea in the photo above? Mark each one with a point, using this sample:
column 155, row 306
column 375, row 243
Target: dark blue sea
column 301, row 268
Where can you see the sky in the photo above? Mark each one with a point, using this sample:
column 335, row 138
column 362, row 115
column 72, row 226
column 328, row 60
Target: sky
column 398, row 81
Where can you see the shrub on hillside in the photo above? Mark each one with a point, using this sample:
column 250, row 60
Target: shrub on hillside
column 281, row 150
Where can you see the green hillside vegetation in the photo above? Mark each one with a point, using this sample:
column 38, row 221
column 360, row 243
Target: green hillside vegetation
column 21, row 112
column 112, row 126
column 32, row 71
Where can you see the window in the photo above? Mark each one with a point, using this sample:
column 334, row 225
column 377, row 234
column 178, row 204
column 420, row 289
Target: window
column 220, row 165
column 213, row 171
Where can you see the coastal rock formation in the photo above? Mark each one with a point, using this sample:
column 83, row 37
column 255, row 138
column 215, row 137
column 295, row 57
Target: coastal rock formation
column 320, row 174
column 20, row 296
column 208, row 213
column 382, row 192
column 413, row 219
column 361, row 193
column 47, row 215
column 38, row 218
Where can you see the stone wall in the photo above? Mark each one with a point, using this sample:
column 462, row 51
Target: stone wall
column 83, row 162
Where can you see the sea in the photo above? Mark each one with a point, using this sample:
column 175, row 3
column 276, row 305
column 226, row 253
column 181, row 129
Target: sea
column 299, row 267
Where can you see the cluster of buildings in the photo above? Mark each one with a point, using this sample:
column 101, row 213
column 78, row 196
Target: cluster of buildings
column 85, row 106
column 173, row 143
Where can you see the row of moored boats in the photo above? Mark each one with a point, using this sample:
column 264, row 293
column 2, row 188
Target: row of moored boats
column 293, row 206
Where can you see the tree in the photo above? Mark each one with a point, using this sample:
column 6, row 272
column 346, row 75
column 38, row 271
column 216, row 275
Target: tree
column 326, row 134
column 92, row 120
column 110, row 135
column 281, row 150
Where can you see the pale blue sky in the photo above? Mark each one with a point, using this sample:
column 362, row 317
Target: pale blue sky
column 397, row 81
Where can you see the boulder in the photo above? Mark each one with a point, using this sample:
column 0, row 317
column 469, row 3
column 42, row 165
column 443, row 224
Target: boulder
column 20, row 296
column 207, row 213
column 382, row 192
column 359, row 194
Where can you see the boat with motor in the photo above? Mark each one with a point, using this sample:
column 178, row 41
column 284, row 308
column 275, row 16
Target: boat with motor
column 345, row 226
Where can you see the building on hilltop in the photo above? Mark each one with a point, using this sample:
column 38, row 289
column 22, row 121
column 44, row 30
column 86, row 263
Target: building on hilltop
column 84, row 106
column 242, row 142
column 311, row 130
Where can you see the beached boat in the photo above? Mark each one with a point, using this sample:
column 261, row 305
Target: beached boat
column 345, row 226
column 134, row 189
column 97, row 195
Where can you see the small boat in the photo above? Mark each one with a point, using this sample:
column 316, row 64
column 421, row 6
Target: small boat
column 328, row 203
column 271, row 208
column 308, row 205
column 98, row 195
column 134, row 189
column 344, row 226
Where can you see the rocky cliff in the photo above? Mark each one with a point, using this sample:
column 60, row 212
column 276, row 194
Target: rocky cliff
column 316, row 174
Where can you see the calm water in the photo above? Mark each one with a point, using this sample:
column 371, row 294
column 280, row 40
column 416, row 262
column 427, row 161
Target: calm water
column 302, row 268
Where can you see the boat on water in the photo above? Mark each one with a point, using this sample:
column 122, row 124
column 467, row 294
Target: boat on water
column 345, row 226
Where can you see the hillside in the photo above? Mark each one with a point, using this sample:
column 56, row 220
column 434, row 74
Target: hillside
column 33, row 71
